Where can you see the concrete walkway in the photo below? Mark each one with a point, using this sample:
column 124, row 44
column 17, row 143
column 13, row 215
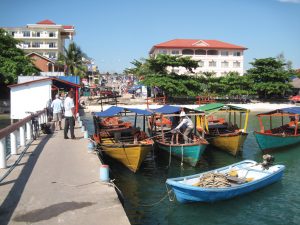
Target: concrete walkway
column 57, row 182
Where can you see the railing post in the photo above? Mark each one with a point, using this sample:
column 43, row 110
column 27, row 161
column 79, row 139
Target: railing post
column 13, row 143
column 28, row 130
column 2, row 154
column 22, row 135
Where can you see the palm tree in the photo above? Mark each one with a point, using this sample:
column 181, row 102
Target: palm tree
column 72, row 59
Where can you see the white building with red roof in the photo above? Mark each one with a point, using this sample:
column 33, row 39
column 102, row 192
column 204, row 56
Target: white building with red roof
column 45, row 38
column 212, row 55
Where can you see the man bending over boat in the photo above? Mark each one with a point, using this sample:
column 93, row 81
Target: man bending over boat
column 185, row 120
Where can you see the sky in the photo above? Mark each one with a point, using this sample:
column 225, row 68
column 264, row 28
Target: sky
column 116, row 32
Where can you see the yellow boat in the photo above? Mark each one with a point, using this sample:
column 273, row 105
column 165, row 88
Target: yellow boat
column 225, row 135
column 126, row 144
column 130, row 155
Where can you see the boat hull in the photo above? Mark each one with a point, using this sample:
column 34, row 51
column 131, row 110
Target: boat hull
column 231, row 143
column 191, row 153
column 188, row 193
column 271, row 141
column 130, row 155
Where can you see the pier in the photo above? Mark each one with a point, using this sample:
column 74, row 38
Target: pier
column 56, row 181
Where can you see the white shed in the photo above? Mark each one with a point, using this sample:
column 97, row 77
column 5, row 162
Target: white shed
column 34, row 95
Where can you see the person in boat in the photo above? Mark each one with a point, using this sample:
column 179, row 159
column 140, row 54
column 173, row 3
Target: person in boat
column 186, row 122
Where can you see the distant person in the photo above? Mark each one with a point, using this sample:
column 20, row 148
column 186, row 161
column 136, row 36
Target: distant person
column 188, row 123
column 70, row 116
column 57, row 108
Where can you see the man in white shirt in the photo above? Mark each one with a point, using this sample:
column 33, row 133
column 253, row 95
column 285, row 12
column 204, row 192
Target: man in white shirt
column 185, row 120
column 57, row 107
column 70, row 116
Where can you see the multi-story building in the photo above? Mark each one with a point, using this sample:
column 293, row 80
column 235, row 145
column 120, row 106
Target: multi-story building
column 211, row 55
column 44, row 38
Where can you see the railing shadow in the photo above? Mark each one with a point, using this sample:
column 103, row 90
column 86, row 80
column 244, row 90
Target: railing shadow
column 11, row 201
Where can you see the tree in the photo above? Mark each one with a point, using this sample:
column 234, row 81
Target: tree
column 270, row 77
column 13, row 60
column 73, row 60
column 159, row 72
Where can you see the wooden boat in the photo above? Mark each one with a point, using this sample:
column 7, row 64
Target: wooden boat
column 173, row 144
column 225, row 135
column 280, row 136
column 224, row 183
column 127, row 145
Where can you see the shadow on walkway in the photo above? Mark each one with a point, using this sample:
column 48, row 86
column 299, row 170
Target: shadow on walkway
column 12, row 199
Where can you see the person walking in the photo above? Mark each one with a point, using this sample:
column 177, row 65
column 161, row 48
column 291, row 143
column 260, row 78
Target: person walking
column 57, row 107
column 70, row 116
column 188, row 123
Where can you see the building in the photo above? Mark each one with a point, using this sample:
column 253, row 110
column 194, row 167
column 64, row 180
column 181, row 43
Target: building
column 44, row 38
column 212, row 55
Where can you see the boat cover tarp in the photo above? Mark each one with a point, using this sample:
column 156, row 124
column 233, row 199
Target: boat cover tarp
column 114, row 110
column 289, row 110
column 167, row 109
column 213, row 107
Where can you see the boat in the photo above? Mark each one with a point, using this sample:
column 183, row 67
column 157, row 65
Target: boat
column 189, row 153
column 128, row 145
column 225, row 135
column 279, row 136
column 225, row 183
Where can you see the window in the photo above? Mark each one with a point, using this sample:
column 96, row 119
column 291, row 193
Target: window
column 51, row 55
column 36, row 34
column 162, row 51
column 52, row 34
column 26, row 33
column 175, row 52
column 200, row 63
column 212, row 52
column 224, row 64
column 52, row 45
column 26, row 45
column 200, row 52
column 212, row 63
column 236, row 64
column 237, row 53
column 36, row 44
column 224, row 53
column 187, row 52
column 13, row 33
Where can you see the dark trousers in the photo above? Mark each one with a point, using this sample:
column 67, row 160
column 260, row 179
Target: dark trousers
column 69, row 122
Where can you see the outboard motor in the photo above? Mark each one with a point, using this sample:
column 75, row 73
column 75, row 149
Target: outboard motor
column 268, row 161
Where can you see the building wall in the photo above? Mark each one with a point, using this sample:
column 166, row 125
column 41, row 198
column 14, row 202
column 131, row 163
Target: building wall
column 223, row 63
column 30, row 97
column 41, row 63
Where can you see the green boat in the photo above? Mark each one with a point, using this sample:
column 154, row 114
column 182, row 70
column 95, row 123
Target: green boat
column 280, row 136
column 173, row 143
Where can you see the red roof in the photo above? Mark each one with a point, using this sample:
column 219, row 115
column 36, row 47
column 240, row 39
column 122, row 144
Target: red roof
column 47, row 22
column 68, row 27
column 197, row 43
column 44, row 79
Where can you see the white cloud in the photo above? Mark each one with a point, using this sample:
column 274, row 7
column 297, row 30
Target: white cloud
column 290, row 1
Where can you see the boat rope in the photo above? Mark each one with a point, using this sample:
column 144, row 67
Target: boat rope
column 123, row 147
column 170, row 156
column 181, row 164
column 169, row 192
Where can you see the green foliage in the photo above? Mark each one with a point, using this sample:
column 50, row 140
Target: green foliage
column 13, row 61
column 72, row 58
column 270, row 77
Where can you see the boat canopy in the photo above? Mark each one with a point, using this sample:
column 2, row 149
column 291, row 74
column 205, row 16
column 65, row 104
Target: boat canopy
column 214, row 107
column 289, row 110
column 114, row 110
column 167, row 109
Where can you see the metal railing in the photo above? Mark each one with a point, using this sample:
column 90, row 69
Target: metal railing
column 24, row 127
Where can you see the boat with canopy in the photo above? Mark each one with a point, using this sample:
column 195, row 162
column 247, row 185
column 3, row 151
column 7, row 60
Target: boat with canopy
column 173, row 143
column 228, row 135
column 128, row 145
column 286, row 134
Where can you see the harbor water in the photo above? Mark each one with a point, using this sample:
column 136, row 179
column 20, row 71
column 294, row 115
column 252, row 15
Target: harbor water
column 146, row 201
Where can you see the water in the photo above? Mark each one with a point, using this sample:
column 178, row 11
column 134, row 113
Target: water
column 145, row 200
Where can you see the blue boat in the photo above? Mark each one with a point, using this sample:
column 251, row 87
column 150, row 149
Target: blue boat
column 277, row 137
column 189, row 153
column 225, row 183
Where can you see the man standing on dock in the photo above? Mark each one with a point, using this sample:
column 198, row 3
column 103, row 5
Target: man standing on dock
column 57, row 107
column 70, row 116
